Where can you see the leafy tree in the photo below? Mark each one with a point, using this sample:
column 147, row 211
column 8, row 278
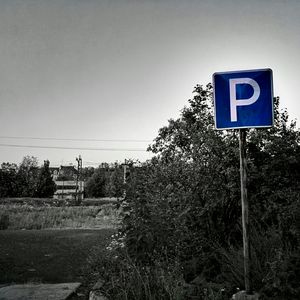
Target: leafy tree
column 8, row 180
column 27, row 176
column 45, row 184
column 114, row 182
column 26, row 180
column 185, row 203
column 105, row 181
column 87, row 172
column 95, row 186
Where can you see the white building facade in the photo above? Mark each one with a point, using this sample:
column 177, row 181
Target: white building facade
column 69, row 190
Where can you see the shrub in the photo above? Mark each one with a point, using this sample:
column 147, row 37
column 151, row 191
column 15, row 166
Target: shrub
column 184, row 206
column 126, row 279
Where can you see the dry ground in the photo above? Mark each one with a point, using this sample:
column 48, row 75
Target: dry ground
column 48, row 256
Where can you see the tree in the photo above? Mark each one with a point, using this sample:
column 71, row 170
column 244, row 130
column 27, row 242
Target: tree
column 27, row 176
column 105, row 181
column 186, row 201
column 45, row 184
column 8, row 180
column 114, row 186
column 95, row 186
column 87, row 172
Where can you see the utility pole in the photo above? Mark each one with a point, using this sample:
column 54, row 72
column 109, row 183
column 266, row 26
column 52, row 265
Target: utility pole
column 125, row 169
column 125, row 173
column 79, row 168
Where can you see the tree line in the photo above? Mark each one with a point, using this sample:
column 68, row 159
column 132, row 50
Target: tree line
column 26, row 179
column 29, row 180
column 104, row 181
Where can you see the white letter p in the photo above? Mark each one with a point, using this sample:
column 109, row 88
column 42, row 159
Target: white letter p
column 243, row 102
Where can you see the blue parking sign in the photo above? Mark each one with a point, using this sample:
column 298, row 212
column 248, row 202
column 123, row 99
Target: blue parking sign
column 243, row 99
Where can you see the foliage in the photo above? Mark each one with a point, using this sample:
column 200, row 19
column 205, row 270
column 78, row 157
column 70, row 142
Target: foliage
column 95, row 186
column 86, row 173
column 184, row 204
column 124, row 279
column 45, row 185
column 114, row 182
column 29, row 180
column 28, row 176
column 26, row 180
column 8, row 179
column 105, row 182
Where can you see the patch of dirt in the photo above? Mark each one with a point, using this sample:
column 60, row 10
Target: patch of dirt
column 47, row 256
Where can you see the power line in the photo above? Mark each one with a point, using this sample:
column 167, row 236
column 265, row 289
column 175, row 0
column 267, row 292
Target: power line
column 85, row 163
column 75, row 139
column 74, row 148
column 92, row 163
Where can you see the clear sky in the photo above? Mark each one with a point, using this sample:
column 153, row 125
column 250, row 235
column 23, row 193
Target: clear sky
column 118, row 70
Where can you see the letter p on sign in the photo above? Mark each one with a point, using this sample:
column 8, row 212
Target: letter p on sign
column 243, row 99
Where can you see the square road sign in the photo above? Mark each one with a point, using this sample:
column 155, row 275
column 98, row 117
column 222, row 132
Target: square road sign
column 243, row 99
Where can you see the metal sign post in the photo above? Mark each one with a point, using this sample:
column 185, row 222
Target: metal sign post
column 244, row 199
column 243, row 99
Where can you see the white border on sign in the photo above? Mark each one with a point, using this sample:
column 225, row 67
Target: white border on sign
column 272, row 96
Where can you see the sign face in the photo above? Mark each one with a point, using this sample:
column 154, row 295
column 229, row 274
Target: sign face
column 243, row 99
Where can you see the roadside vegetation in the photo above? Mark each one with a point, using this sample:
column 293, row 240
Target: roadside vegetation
column 181, row 235
column 46, row 217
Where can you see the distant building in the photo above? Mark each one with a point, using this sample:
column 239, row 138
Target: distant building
column 68, row 172
column 67, row 190
column 68, row 186
column 63, row 172
column 54, row 172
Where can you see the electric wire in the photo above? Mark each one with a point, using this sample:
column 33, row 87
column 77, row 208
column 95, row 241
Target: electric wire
column 75, row 148
column 76, row 139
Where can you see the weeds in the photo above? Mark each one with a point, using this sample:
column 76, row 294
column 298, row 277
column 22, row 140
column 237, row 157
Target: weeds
column 126, row 279
column 41, row 217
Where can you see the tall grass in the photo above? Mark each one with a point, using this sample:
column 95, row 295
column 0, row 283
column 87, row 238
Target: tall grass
column 126, row 279
column 41, row 217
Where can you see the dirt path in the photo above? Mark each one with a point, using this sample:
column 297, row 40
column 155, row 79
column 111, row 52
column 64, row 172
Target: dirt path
column 47, row 256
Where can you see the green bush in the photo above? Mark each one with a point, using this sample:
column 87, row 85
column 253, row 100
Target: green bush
column 183, row 206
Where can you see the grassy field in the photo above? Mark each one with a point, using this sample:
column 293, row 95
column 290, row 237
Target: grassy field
column 56, row 202
column 50, row 256
column 25, row 216
column 61, row 251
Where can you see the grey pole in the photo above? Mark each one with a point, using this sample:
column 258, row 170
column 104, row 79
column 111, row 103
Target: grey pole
column 244, row 199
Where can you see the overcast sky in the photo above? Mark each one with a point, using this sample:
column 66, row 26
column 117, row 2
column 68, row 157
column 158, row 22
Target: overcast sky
column 118, row 70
